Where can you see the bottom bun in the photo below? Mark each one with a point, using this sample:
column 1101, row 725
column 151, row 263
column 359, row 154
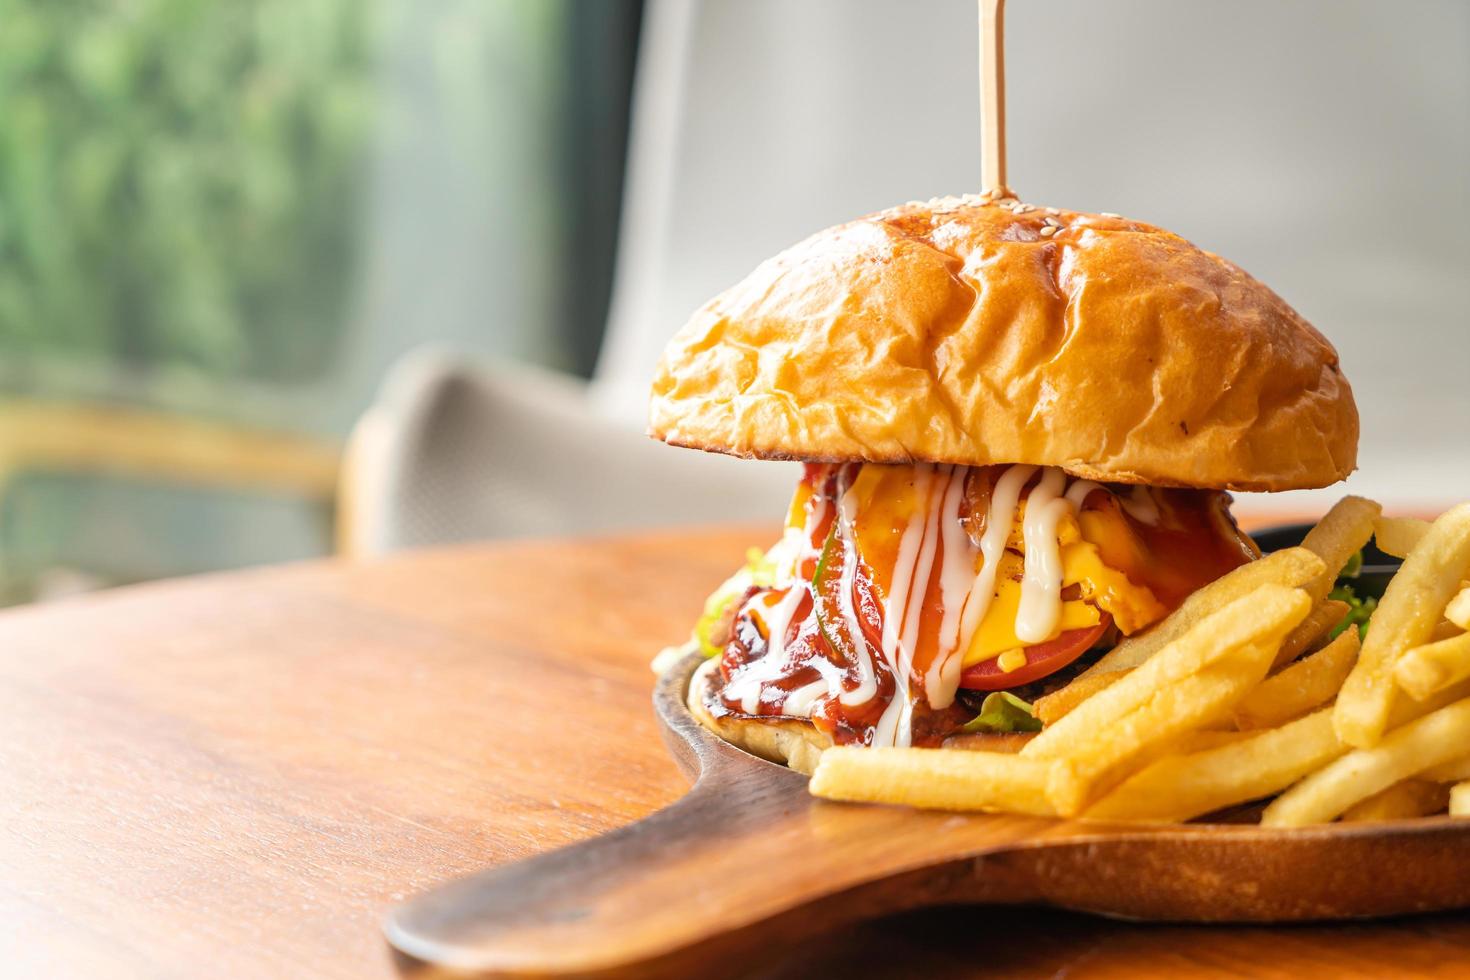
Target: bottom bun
column 794, row 742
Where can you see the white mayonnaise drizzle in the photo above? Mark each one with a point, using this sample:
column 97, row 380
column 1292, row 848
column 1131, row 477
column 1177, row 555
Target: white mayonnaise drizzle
column 893, row 726
column 1140, row 505
column 1139, row 502
column 1078, row 491
column 966, row 594
column 1041, row 584
column 847, row 532
column 746, row 686
column 956, row 576
column 799, row 703
column 923, row 567
column 1003, row 500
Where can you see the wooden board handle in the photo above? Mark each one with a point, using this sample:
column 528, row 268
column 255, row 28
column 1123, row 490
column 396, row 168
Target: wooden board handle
column 711, row 874
column 567, row 912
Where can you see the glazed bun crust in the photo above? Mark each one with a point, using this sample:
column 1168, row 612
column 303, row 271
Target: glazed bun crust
column 963, row 331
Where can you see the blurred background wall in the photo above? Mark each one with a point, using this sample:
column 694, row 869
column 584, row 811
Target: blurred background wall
column 221, row 225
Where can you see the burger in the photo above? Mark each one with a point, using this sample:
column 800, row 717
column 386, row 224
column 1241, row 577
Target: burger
column 1019, row 427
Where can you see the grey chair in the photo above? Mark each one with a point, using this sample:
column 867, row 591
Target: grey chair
column 459, row 450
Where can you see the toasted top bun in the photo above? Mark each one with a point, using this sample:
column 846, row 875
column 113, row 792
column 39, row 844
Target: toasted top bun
column 963, row 331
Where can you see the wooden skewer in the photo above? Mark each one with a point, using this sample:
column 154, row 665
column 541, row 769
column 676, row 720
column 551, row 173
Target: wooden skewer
column 993, row 98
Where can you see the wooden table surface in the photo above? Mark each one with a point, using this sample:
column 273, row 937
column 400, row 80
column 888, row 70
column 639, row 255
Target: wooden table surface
column 235, row 776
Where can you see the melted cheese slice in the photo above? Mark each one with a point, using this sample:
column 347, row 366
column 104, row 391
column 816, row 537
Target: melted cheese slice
column 1132, row 606
column 885, row 502
column 997, row 632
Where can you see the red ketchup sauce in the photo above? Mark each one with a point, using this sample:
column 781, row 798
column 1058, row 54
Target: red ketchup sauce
column 1191, row 542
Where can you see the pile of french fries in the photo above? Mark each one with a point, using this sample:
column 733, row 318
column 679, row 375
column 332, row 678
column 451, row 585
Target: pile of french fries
column 1240, row 696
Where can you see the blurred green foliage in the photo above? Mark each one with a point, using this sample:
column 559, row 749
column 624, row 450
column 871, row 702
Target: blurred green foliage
column 181, row 181
column 200, row 199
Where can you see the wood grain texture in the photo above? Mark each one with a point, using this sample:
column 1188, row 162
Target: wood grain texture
column 773, row 864
column 247, row 771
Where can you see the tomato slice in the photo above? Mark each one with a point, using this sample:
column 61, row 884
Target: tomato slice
column 1041, row 659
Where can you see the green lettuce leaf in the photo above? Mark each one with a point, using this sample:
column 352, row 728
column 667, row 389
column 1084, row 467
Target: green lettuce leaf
column 1360, row 610
column 760, row 569
column 1002, row 713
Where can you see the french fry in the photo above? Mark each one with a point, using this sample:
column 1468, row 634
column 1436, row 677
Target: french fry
column 1458, row 611
column 1006, row 743
column 1460, row 800
column 1411, row 607
column 1203, row 741
column 1290, row 567
column 1319, row 623
column 1050, row 708
column 1454, row 771
column 1444, row 630
column 1397, row 536
column 1406, row 710
column 1340, row 534
column 1433, row 666
column 938, row 779
column 1429, row 741
column 1401, row 801
column 1190, row 684
column 1189, row 743
column 1237, row 696
column 1263, row 617
column 1182, row 787
column 1307, row 684
column 1142, row 735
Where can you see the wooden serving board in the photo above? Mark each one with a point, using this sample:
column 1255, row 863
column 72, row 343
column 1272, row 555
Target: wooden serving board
column 248, row 771
column 749, row 860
